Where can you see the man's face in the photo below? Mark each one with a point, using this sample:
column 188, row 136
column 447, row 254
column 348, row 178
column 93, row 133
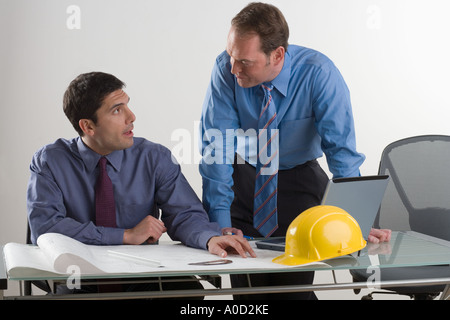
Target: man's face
column 113, row 130
column 249, row 63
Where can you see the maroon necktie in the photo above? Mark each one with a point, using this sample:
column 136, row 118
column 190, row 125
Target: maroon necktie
column 105, row 213
column 105, row 207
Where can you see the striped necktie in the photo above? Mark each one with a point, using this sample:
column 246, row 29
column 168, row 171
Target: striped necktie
column 265, row 218
column 105, row 207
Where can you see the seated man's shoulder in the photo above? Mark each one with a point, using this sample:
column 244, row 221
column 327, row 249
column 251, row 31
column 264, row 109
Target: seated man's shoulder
column 143, row 145
column 59, row 147
column 149, row 148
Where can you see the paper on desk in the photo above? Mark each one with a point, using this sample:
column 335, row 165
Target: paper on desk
column 178, row 258
column 58, row 254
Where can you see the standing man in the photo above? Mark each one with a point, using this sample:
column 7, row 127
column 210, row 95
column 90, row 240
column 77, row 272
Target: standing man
column 270, row 111
column 106, row 187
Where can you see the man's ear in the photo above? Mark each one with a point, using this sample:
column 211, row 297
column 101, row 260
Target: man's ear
column 278, row 55
column 87, row 126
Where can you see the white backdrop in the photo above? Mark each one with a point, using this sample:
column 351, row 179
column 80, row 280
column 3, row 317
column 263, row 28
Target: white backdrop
column 394, row 55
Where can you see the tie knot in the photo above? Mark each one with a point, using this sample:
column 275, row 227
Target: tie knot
column 267, row 88
column 102, row 162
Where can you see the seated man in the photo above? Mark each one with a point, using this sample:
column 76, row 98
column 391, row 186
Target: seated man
column 141, row 176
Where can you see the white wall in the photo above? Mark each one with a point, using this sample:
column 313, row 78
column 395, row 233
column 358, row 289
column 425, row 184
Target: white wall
column 394, row 55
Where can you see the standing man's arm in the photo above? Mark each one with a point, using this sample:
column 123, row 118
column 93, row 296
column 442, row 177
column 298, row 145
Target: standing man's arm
column 218, row 122
column 334, row 122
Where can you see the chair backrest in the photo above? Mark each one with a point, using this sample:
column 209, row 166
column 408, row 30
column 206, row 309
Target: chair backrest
column 417, row 197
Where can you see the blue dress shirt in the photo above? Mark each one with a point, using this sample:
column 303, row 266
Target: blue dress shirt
column 314, row 117
column 61, row 197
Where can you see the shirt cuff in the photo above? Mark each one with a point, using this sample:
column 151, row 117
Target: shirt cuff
column 222, row 217
column 204, row 238
column 112, row 236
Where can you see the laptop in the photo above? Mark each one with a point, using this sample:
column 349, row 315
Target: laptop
column 360, row 196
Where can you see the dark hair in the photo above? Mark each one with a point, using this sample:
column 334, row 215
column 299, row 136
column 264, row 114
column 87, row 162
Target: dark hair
column 267, row 21
column 85, row 95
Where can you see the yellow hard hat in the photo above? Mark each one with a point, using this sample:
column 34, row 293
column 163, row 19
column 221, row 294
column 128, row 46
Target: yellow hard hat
column 320, row 233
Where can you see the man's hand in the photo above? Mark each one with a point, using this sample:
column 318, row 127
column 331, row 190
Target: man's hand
column 229, row 231
column 379, row 235
column 237, row 244
column 149, row 229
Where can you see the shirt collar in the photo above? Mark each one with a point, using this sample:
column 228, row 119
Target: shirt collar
column 281, row 82
column 90, row 157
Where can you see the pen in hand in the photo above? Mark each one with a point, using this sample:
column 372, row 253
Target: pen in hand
column 246, row 237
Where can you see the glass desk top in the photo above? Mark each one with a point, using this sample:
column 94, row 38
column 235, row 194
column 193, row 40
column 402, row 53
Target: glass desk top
column 404, row 249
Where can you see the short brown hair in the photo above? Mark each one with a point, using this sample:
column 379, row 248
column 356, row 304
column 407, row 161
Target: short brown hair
column 265, row 20
column 85, row 95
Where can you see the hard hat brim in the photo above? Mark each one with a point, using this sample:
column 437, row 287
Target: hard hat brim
column 291, row 260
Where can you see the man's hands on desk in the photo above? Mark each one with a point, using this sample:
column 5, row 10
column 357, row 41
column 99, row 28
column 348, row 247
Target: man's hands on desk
column 237, row 243
column 379, row 235
column 221, row 245
column 148, row 230
column 151, row 229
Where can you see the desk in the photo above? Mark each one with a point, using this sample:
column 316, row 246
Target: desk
column 405, row 249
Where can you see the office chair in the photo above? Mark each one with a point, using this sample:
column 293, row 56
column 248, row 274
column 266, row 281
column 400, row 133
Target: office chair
column 417, row 199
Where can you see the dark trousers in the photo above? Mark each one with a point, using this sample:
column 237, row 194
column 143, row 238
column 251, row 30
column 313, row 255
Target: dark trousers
column 299, row 188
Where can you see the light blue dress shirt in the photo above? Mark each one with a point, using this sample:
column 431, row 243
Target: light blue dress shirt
column 314, row 116
column 61, row 199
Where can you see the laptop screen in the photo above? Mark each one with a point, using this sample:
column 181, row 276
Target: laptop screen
column 360, row 196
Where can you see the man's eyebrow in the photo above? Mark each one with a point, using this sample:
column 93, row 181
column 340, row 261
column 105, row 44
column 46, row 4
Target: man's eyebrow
column 240, row 60
column 119, row 104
